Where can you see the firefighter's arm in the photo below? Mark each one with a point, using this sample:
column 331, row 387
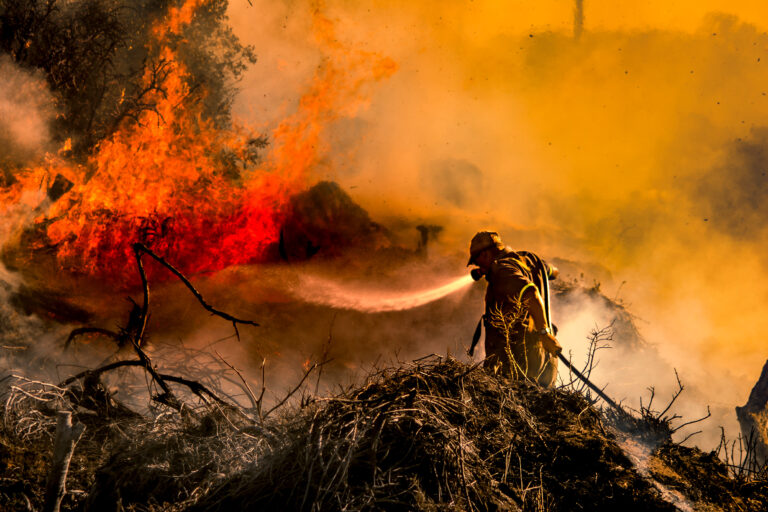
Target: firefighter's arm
column 535, row 306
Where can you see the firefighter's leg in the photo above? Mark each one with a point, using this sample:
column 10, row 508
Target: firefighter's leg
column 540, row 367
column 494, row 354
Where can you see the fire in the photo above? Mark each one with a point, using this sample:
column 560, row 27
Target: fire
column 162, row 180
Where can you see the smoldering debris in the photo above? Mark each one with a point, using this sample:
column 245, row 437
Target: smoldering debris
column 359, row 283
column 434, row 433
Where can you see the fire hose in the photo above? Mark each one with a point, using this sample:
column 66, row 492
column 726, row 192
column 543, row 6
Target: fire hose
column 566, row 362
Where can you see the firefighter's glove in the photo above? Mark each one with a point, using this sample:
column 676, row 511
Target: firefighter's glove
column 550, row 344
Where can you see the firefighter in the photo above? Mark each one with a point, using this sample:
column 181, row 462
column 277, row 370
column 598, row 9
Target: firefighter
column 518, row 337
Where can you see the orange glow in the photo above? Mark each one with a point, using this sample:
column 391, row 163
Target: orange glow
column 161, row 180
column 177, row 18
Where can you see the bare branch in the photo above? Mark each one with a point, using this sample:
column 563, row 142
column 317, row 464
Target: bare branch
column 99, row 371
column 141, row 248
column 680, row 388
column 248, row 390
column 92, row 330
column 709, row 413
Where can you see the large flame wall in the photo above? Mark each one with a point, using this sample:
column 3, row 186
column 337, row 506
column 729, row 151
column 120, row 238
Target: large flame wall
column 161, row 178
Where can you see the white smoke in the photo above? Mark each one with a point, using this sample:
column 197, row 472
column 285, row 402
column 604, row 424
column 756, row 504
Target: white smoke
column 26, row 110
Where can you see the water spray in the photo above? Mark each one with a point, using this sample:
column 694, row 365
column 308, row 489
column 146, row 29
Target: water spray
column 322, row 291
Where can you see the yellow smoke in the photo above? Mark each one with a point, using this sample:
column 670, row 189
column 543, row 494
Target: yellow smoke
column 637, row 147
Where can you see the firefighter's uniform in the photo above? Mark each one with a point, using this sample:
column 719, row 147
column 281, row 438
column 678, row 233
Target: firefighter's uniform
column 511, row 343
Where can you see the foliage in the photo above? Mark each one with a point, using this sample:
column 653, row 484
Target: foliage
column 96, row 56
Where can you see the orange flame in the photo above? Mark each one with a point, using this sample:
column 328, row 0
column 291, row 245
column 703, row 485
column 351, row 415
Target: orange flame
column 161, row 180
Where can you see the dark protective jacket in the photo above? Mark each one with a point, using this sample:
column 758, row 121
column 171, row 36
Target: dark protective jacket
column 510, row 341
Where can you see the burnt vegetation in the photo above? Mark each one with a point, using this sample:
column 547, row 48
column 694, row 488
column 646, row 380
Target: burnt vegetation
column 435, row 434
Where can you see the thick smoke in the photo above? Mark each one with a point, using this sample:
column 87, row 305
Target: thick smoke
column 734, row 191
column 637, row 148
column 26, row 110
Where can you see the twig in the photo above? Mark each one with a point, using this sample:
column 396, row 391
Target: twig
column 689, row 436
column 248, row 390
column 674, row 397
column 323, row 358
column 294, row 390
column 263, row 388
column 709, row 413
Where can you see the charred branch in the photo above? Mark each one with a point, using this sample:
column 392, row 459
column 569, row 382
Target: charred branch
column 145, row 97
column 200, row 390
column 134, row 332
column 140, row 248
column 93, row 330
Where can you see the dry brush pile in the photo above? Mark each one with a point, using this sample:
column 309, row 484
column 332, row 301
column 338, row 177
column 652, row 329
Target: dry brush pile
column 436, row 434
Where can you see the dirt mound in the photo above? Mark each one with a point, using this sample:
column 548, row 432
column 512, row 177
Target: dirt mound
column 325, row 219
